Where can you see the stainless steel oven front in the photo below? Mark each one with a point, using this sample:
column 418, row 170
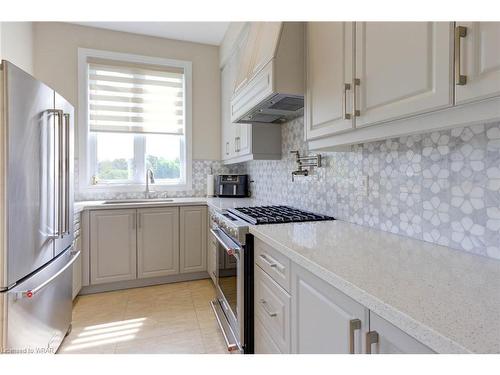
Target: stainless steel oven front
column 229, row 304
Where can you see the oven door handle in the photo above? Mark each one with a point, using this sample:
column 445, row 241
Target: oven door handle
column 233, row 249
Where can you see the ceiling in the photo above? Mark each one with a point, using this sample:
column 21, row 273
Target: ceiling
column 199, row 32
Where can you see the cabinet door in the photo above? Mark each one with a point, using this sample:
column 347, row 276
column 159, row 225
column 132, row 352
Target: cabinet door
column 112, row 246
column 193, row 239
column 388, row 339
column 243, row 139
column 227, row 136
column 480, row 61
column 157, row 242
column 405, row 68
column 245, row 52
column 329, row 65
column 324, row 320
column 265, row 46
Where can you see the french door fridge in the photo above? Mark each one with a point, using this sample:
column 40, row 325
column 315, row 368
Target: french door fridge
column 36, row 213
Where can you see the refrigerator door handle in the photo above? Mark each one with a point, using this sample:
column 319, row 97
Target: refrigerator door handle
column 30, row 293
column 66, row 173
column 58, row 174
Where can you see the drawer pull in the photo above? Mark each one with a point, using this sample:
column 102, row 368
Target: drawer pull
column 371, row 338
column 270, row 263
column 354, row 325
column 264, row 304
column 460, row 32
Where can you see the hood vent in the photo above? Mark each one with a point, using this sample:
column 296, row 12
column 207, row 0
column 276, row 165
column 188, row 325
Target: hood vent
column 273, row 91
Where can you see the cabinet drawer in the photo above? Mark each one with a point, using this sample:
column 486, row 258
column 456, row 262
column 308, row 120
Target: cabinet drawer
column 274, row 263
column 263, row 343
column 272, row 308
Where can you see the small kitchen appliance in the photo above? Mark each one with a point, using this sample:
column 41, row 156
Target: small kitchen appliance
column 232, row 185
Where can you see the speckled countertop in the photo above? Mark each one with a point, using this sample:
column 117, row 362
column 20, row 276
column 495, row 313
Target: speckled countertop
column 447, row 299
column 217, row 203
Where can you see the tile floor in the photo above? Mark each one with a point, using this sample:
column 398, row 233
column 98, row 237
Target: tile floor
column 170, row 318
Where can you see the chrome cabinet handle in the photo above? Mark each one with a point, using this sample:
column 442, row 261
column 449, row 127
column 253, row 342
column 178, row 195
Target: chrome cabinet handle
column 264, row 304
column 30, row 293
column 354, row 325
column 269, row 263
column 460, row 32
column 357, row 112
column 345, row 115
column 227, row 148
column 371, row 338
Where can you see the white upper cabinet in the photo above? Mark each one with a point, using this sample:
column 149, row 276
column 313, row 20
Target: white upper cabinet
column 329, row 75
column 404, row 68
column 478, row 51
column 157, row 242
column 228, row 128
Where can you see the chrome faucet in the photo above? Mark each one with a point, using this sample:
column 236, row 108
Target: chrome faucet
column 150, row 178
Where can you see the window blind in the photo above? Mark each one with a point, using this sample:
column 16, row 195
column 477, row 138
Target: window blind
column 135, row 98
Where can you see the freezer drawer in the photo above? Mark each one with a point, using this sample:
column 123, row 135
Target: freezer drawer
column 38, row 310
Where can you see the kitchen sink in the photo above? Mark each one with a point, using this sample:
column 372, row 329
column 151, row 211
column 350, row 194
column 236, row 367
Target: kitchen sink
column 128, row 201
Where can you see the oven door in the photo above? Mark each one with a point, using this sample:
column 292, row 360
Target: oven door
column 229, row 285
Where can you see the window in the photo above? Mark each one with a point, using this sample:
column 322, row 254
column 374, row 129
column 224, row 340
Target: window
column 137, row 117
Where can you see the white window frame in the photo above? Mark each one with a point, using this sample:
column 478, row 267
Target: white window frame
column 85, row 144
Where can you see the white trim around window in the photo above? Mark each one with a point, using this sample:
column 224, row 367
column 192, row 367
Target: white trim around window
column 84, row 139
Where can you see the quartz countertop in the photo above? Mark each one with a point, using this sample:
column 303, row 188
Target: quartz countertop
column 447, row 299
column 215, row 202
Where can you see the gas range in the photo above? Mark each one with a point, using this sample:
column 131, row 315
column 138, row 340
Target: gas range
column 233, row 275
column 235, row 221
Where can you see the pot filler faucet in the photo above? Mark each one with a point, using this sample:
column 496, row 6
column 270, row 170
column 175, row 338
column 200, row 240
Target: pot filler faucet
column 150, row 178
column 304, row 162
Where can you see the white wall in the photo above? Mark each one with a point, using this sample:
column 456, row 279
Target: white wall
column 55, row 57
column 16, row 44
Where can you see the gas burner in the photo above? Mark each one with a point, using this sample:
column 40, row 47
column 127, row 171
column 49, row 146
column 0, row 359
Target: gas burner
column 276, row 215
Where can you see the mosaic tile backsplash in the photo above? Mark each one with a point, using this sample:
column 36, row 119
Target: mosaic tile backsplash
column 441, row 187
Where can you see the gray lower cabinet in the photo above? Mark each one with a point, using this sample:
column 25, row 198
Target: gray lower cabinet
column 193, row 234
column 324, row 320
column 385, row 338
column 130, row 244
column 157, row 242
column 113, row 252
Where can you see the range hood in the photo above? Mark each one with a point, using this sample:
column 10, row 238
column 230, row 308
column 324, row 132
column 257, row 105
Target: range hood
column 273, row 91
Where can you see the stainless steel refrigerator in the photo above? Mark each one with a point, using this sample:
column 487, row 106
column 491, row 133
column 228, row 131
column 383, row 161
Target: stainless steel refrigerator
column 36, row 213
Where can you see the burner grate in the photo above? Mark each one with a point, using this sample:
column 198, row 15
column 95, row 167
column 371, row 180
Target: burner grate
column 276, row 214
